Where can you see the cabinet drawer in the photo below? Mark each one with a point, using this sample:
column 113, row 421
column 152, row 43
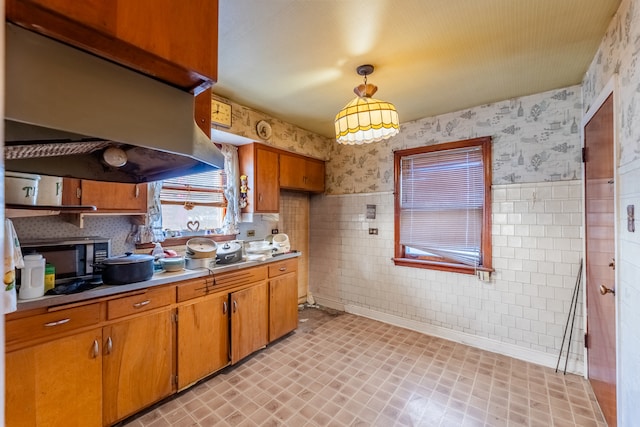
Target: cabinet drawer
column 152, row 298
column 215, row 282
column 283, row 267
column 52, row 323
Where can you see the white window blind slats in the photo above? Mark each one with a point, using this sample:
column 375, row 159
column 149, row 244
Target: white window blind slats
column 441, row 203
column 205, row 188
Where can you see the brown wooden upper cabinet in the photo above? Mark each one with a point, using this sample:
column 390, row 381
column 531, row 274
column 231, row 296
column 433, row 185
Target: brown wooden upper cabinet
column 172, row 41
column 105, row 196
column 301, row 173
column 260, row 164
column 269, row 169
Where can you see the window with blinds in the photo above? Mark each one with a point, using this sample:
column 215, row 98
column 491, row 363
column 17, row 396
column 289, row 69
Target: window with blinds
column 442, row 202
column 194, row 202
column 202, row 189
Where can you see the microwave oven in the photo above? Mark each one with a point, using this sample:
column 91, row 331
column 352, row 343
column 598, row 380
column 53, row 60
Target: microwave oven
column 72, row 258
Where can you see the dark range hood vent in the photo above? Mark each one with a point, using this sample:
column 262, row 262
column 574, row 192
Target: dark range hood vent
column 65, row 107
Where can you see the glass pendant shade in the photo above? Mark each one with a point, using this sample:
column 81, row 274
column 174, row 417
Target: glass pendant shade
column 366, row 119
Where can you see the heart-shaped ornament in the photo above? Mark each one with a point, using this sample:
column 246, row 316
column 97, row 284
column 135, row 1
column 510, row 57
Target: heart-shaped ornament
column 193, row 225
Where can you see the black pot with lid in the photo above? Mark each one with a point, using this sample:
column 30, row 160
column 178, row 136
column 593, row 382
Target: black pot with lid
column 229, row 252
column 127, row 268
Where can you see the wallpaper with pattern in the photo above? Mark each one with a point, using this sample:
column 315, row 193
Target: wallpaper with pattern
column 619, row 53
column 284, row 135
column 535, row 138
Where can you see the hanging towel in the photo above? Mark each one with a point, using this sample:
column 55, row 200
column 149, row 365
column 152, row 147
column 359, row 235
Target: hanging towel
column 12, row 260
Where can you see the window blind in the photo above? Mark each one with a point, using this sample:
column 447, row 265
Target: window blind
column 441, row 204
column 202, row 189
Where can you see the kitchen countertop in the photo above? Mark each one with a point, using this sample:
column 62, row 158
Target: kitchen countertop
column 160, row 278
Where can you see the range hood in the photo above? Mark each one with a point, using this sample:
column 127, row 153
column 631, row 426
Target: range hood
column 64, row 108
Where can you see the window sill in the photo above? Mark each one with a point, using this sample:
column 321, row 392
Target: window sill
column 442, row 266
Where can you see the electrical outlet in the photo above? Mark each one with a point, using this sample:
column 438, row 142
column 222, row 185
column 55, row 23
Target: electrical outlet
column 274, row 231
column 373, row 231
column 251, row 233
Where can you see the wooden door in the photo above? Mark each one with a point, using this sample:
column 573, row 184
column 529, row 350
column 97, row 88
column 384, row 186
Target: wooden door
column 283, row 305
column 58, row 383
column 203, row 338
column 138, row 364
column 600, row 263
column 249, row 321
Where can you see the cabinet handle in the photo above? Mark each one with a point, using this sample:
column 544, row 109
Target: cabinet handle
column 78, row 193
column 56, row 323
column 235, row 306
column 137, row 191
column 260, row 197
column 109, row 345
column 141, row 304
column 95, row 351
column 224, row 307
column 283, row 269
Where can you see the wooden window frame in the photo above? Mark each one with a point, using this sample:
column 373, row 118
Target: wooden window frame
column 400, row 258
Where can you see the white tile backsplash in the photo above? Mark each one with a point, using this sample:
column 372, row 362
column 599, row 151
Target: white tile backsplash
column 527, row 299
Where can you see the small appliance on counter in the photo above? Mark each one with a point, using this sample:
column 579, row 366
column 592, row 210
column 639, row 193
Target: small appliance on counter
column 229, row 252
column 74, row 260
column 279, row 242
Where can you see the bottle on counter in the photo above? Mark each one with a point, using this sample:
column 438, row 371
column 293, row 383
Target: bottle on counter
column 157, row 254
column 32, row 277
column 49, row 277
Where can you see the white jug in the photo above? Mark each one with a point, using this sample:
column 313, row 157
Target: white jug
column 32, row 277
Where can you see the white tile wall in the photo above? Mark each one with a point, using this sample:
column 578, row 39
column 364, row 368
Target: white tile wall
column 536, row 253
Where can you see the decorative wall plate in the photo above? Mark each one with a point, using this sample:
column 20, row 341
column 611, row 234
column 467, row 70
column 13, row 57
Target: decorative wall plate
column 263, row 129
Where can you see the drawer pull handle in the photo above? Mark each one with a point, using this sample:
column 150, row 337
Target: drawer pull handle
column 224, row 307
column 95, row 349
column 283, row 268
column 141, row 304
column 109, row 345
column 56, row 323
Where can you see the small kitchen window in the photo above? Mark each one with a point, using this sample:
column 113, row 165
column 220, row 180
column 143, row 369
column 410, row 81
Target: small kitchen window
column 443, row 206
column 194, row 202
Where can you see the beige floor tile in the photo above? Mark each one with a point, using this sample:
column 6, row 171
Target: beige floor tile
column 343, row 370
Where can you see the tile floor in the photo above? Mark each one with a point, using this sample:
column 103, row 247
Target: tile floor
column 338, row 369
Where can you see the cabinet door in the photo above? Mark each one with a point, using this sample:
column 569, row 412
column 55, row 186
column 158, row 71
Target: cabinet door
column 172, row 41
column 299, row 173
column 283, row 305
column 314, row 175
column 249, row 321
column 58, row 383
column 114, row 197
column 267, row 192
column 203, row 338
column 138, row 364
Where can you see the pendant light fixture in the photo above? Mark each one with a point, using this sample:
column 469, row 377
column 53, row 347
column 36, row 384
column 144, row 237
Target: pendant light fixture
column 365, row 119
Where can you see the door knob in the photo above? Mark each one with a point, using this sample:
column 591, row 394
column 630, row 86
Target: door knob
column 604, row 290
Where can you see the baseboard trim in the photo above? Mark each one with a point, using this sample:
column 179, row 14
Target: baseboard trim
column 488, row 344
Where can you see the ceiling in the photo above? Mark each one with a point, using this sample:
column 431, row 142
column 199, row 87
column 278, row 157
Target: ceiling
column 296, row 60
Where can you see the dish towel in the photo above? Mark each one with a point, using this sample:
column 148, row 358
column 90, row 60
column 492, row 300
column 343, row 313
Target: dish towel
column 12, row 260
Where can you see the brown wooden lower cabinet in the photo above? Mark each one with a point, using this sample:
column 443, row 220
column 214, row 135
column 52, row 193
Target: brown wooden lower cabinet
column 98, row 363
column 283, row 298
column 138, row 364
column 56, row 383
column 249, row 320
column 203, row 337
